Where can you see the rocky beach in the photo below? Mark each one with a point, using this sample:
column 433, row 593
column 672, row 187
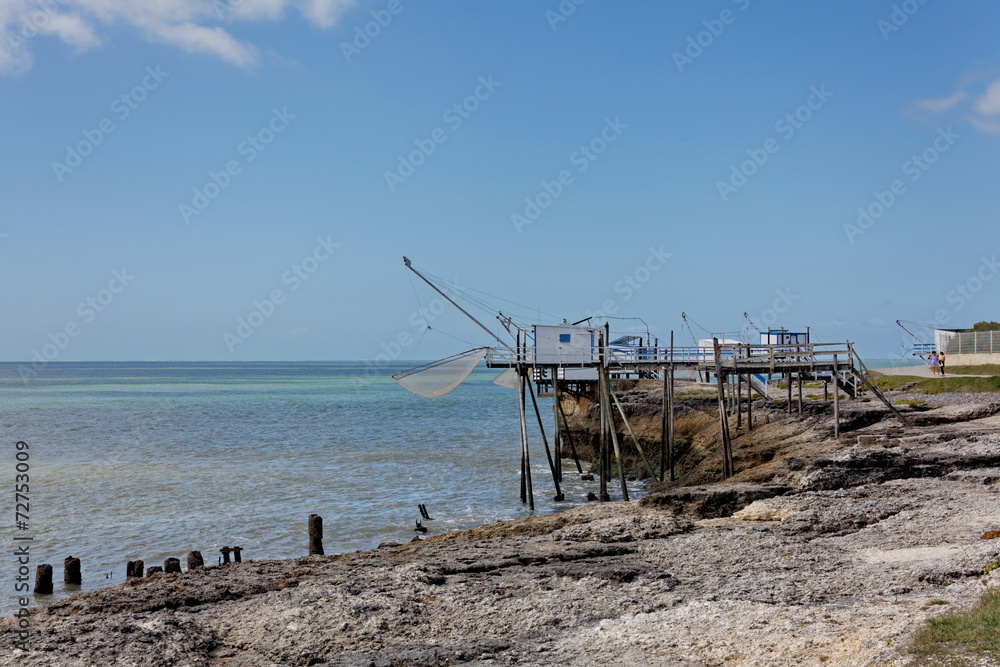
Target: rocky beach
column 819, row 551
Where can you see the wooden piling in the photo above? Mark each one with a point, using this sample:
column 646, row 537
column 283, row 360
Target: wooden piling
column 836, row 399
column 569, row 435
column 727, row 447
column 195, row 560
column 43, row 579
column 739, row 400
column 545, row 441
column 799, row 378
column 557, row 434
column 628, row 427
column 528, row 493
column 71, row 572
column 236, row 554
column 614, row 438
column 670, row 417
column 137, row 569
column 315, row 537
column 225, row 551
column 664, row 408
column 171, row 565
column 788, row 378
column 154, row 569
column 603, row 407
column 749, row 401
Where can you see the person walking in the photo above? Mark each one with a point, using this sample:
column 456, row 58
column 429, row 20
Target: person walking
column 941, row 362
column 935, row 362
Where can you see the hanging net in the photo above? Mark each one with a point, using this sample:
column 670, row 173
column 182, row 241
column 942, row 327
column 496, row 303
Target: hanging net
column 439, row 377
column 508, row 379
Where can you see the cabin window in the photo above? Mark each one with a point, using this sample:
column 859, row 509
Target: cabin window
column 564, row 338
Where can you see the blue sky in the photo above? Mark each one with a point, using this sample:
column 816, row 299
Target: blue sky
column 173, row 168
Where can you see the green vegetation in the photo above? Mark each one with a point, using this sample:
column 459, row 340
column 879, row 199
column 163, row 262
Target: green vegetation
column 681, row 395
column 991, row 566
column 938, row 385
column 980, row 369
column 913, row 403
column 986, row 326
column 971, row 634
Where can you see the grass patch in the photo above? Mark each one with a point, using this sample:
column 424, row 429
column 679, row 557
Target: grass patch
column 912, row 402
column 980, row 369
column 938, row 385
column 975, row 633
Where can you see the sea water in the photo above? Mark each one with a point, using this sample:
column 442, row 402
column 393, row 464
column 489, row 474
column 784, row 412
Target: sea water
column 131, row 461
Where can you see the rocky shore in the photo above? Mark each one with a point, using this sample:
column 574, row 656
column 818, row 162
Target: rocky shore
column 820, row 551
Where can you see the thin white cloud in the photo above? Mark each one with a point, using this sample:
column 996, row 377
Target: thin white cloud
column 940, row 104
column 981, row 109
column 195, row 26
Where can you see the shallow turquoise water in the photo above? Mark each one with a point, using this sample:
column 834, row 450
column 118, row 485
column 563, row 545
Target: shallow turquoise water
column 152, row 460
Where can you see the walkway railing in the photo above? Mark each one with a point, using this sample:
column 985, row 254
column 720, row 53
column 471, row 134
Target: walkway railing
column 744, row 356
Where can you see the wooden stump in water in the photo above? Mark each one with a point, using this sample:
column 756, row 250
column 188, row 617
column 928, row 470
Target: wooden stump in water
column 137, row 569
column 43, row 580
column 225, row 551
column 153, row 569
column 315, row 535
column 172, row 565
column 236, row 554
column 195, row 560
column 71, row 572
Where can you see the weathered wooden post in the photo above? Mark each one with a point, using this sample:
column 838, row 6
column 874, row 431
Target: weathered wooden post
column 315, row 535
column 225, row 551
column 545, row 441
column 71, row 572
column 670, row 417
column 727, row 447
column 154, row 569
column 606, row 398
column 138, row 568
column 836, row 398
column 195, row 560
column 236, row 554
column 527, row 493
column 172, row 565
column 43, row 580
